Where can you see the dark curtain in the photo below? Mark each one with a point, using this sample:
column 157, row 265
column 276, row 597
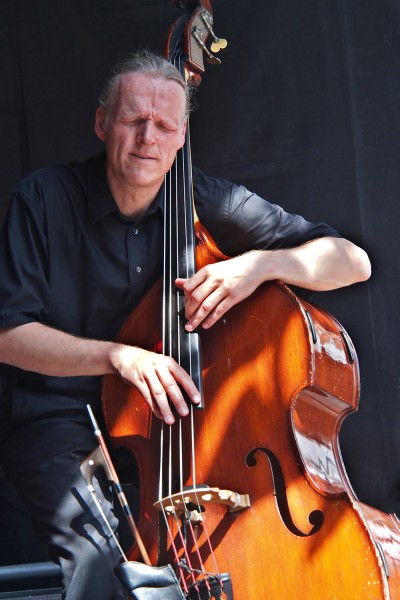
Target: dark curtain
column 304, row 110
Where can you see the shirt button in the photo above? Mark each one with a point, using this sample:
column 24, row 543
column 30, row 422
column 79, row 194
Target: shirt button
column 138, row 269
column 135, row 231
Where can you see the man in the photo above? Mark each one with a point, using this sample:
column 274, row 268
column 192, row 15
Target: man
column 82, row 244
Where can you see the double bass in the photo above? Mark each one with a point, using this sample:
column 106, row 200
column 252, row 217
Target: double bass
column 247, row 496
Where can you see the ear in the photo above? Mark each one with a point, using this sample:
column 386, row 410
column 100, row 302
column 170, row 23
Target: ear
column 99, row 123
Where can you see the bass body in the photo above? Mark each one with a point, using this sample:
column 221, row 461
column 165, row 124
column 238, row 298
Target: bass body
column 279, row 514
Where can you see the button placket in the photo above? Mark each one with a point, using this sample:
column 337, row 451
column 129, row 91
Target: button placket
column 135, row 252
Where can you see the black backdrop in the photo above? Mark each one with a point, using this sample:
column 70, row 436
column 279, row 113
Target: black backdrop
column 303, row 110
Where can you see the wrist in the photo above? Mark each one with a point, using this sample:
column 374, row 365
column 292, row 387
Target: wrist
column 265, row 265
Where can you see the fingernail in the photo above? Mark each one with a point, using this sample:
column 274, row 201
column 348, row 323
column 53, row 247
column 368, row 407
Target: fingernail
column 169, row 420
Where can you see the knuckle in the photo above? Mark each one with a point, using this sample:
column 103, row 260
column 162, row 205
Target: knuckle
column 170, row 386
column 196, row 296
column 207, row 306
column 219, row 310
column 170, row 363
column 158, row 394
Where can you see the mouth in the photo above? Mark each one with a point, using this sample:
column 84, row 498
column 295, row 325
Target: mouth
column 142, row 156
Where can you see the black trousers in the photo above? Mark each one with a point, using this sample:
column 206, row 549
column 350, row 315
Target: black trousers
column 43, row 460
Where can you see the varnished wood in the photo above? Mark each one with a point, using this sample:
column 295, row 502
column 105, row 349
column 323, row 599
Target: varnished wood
column 268, row 386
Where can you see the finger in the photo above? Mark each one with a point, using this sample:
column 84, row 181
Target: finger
column 180, row 282
column 144, row 390
column 162, row 390
column 191, row 283
column 148, row 383
column 216, row 314
column 208, row 306
column 169, row 392
column 196, row 289
column 187, row 383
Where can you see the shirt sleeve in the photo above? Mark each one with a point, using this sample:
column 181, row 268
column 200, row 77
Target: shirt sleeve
column 240, row 220
column 24, row 291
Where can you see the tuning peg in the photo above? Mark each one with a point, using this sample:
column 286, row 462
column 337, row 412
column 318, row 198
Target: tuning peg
column 198, row 36
column 218, row 43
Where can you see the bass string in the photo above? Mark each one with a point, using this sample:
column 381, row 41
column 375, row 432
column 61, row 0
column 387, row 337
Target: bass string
column 176, row 208
column 182, row 211
column 167, row 350
column 188, row 212
column 169, row 328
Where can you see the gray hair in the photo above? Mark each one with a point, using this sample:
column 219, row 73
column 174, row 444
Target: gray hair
column 147, row 63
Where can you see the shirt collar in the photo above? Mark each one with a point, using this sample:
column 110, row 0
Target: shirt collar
column 100, row 199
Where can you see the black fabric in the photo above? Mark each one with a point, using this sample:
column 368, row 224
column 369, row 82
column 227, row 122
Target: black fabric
column 71, row 261
column 240, row 220
column 43, row 460
column 149, row 583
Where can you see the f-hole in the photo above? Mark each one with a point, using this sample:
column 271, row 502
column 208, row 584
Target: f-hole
column 315, row 518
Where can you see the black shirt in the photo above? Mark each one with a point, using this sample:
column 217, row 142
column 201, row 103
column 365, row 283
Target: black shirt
column 70, row 260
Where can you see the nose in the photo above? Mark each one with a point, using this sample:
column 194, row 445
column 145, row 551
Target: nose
column 146, row 133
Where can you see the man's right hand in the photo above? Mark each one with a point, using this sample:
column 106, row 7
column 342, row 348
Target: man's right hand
column 157, row 378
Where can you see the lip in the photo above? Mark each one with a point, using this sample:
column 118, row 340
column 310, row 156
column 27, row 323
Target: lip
column 142, row 156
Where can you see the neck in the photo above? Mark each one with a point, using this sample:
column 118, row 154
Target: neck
column 132, row 201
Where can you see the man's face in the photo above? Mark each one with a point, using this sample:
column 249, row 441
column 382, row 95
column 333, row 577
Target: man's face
column 143, row 130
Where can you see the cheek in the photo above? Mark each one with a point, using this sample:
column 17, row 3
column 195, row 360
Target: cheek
column 119, row 136
column 178, row 142
column 119, row 145
column 171, row 156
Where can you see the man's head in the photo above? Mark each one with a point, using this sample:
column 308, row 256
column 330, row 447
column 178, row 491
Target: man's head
column 142, row 120
column 149, row 64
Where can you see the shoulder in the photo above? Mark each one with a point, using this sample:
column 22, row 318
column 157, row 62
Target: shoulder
column 218, row 194
column 43, row 181
column 216, row 198
column 209, row 183
column 56, row 186
column 215, row 190
column 230, row 212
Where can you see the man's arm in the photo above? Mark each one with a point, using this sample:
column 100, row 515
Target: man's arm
column 36, row 347
column 323, row 264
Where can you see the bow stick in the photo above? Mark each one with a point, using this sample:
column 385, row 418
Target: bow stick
column 136, row 577
column 101, row 458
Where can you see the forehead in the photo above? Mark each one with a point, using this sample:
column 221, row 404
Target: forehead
column 139, row 92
